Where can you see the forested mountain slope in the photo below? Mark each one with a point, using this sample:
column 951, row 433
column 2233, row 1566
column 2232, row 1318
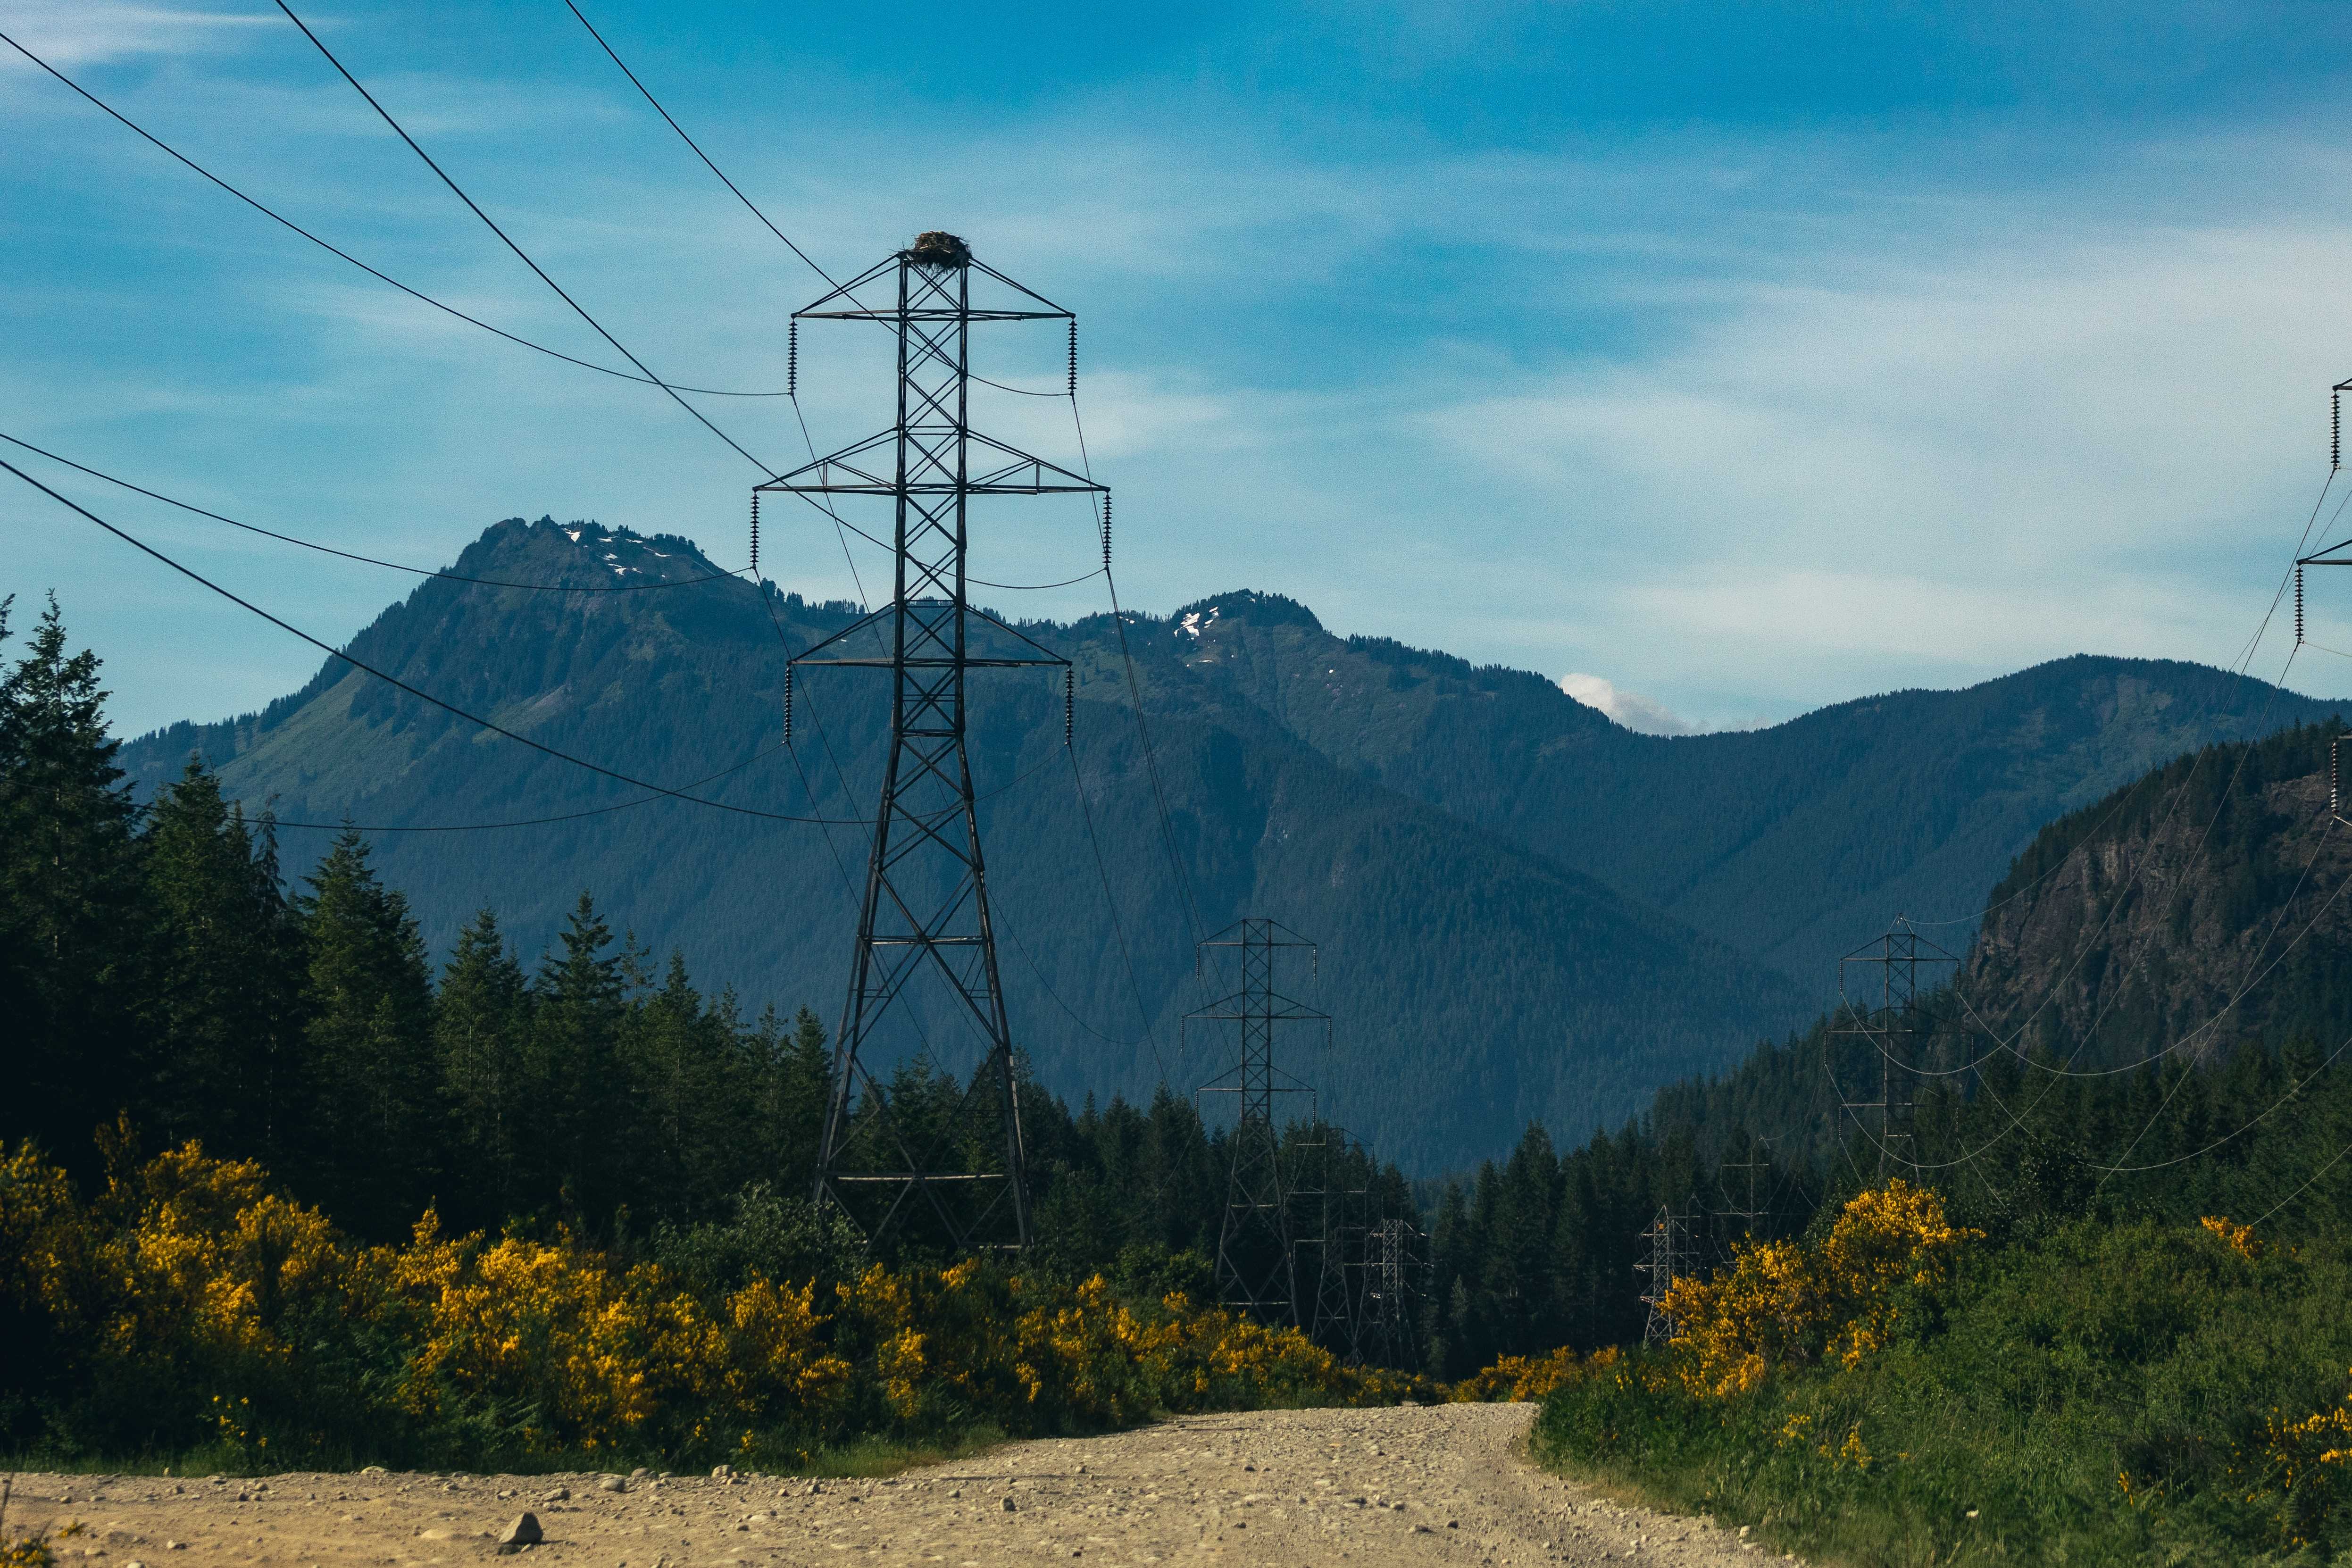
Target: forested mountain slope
column 1474, row 986
column 1792, row 844
column 2197, row 918
column 2201, row 908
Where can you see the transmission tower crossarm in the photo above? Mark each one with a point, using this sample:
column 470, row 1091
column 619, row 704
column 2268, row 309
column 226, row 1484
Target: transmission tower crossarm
column 817, row 477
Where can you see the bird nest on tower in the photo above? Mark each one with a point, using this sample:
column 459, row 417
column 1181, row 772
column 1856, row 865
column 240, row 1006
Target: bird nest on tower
column 935, row 247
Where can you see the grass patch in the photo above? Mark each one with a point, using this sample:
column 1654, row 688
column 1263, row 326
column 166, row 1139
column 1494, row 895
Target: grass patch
column 2103, row 1395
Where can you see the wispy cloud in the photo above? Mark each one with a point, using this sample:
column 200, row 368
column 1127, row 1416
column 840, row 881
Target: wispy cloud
column 68, row 33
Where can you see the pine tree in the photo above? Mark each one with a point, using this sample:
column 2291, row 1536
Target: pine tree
column 368, row 996
column 693, row 1101
column 581, row 997
column 226, row 976
column 481, row 1031
column 72, row 911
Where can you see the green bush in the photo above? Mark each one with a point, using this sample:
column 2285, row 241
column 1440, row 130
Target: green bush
column 2100, row 1395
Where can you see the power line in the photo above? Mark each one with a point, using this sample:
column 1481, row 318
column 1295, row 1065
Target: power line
column 2245, row 659
column 523, row 254
column 280, row 218
column 365, row 559
column 1135, row 695
column 690, row 142
column 528, row 822
column 390, row 680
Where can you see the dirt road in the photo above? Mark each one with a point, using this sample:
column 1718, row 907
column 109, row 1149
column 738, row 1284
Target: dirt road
column 1407, row 1485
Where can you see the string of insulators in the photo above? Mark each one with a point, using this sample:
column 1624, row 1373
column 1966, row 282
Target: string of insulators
column 1074, row 356
column 1069, row 702
column 1105, row 531
column 755, row 536
column 2335, row 429
column 788, row 705
column 2298, row 604
column 792, row 363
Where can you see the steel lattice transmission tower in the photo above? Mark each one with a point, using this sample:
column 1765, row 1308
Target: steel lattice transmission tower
column 923, row 925
column 1394, row 1264
column 1345, row 1220
column 1879, row 1004
column 1257, row 1264
column 1670, row 1259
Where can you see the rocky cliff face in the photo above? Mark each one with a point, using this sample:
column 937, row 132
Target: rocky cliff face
column 2185, row 912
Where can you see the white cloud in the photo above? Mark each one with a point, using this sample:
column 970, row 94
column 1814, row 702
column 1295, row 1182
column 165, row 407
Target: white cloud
column 2086, row 440
column 68, row 33
column 1634, row 713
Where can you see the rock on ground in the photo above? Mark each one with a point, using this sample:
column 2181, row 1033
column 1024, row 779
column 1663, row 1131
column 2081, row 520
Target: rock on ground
column 1406, row 1486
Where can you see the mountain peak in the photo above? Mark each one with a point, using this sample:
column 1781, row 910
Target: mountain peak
column 580, row 551
column 1243, row 605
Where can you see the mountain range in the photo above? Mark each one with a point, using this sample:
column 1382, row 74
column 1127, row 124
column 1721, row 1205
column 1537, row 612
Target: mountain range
column 1526, row 913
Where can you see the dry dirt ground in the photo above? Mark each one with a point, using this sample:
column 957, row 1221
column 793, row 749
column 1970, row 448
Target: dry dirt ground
column 1407, row 1485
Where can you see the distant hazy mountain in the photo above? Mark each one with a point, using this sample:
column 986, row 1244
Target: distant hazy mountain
column 1791, row 845
column 1526, row 912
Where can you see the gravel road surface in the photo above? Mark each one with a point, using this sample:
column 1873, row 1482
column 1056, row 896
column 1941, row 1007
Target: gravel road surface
column 1407, row 1485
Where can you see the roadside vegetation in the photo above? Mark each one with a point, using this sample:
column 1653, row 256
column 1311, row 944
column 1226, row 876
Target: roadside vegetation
column 1895, row 1389
column 189, row 1310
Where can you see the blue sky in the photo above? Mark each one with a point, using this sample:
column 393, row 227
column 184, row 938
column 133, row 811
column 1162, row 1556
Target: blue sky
column 1743, row 358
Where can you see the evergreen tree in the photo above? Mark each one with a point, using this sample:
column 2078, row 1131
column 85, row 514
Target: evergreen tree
column 224, row 1054
column 692, row 1099
column 72, row 913
column 582, row 996
column 481, row 1031
column 369, row 997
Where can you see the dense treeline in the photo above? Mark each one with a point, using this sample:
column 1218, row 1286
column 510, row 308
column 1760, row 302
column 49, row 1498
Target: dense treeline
column 2020, row 1128
column 160, row 975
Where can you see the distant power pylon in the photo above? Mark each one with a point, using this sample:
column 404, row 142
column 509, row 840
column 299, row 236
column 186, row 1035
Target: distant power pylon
column 1257, row 1266
column 1741, row 1193
column 1344, row 1223
column 1669, row 1260
column 1395, row 1265
column 1879, row 1004
column 923, row 927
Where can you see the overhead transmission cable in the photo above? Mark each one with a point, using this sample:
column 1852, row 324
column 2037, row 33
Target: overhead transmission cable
column 2065, row 1068
column 690, row 142
column 418, row 294
column 367, row 669
column 793, row 391
column 2238, row 666
column 366, row 560
column 504, row 238
column 525, row 822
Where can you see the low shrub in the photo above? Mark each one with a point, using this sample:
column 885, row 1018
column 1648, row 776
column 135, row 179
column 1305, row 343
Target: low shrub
column 189, row 1306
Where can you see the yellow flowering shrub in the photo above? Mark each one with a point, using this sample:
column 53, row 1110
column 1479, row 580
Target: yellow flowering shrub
column 781, row 1348
column 1780, row 1302
column 2238, row 1239
column 193, row 1284
column 596, row 1351
column 1524, row 1378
